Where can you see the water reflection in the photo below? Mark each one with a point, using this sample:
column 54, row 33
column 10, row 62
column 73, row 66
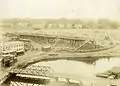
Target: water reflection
column 105, row 64
column 82, row 68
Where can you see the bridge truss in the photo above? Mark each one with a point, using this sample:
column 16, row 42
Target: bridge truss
column 30, row 76
column 33, row 70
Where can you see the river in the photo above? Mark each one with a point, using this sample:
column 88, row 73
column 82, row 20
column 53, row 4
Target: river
column 85, row 71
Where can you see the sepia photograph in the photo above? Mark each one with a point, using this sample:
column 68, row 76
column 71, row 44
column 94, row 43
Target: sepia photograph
column 59, row 42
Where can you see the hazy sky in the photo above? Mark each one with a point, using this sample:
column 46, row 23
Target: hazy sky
column 60, row 8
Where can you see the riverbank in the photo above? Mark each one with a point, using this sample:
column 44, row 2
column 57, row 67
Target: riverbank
column 46, row 56
column 32, row 57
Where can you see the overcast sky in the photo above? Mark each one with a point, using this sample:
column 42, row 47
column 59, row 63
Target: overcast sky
column 60, row 8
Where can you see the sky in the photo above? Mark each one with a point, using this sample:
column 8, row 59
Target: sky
column 60, row 8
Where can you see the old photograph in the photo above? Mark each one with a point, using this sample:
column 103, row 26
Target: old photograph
column 59, row 42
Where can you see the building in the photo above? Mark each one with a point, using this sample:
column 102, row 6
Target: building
column 46, row 48
column 13, row 47
column 27, row 44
